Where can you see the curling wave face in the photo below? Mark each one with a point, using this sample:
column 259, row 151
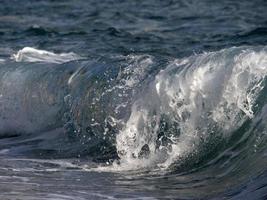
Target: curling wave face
column 204, row 114
column 193, row 105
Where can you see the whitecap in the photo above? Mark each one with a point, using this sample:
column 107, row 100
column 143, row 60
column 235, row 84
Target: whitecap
column 29, row 54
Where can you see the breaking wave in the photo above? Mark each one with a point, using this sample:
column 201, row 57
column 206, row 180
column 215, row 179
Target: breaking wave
column 139, row 112
column 195, row 107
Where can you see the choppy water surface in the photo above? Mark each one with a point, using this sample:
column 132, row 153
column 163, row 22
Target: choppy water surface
column 133, row 99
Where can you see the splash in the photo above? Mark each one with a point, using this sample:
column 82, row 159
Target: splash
column 189, row 102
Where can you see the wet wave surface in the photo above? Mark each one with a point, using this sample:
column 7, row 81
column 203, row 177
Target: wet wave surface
column 133, row 100
column 198, row 121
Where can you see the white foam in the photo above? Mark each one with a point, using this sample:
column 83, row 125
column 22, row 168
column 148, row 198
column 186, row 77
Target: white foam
column 201, row 94
column 29, row 54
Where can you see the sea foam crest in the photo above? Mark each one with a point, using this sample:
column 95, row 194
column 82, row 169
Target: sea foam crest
column 188, row 101
column 29, row 54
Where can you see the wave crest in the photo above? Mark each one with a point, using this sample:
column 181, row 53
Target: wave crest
column 192, row 106
column 29, row 54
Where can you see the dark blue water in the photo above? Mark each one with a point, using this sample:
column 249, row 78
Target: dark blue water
column 133, row 99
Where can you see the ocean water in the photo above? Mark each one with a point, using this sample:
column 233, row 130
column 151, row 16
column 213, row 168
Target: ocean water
column 133, row 99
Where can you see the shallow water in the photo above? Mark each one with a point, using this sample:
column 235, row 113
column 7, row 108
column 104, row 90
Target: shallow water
column 133, row 100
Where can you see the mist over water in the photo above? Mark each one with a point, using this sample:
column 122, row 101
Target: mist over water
column 133, row 100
